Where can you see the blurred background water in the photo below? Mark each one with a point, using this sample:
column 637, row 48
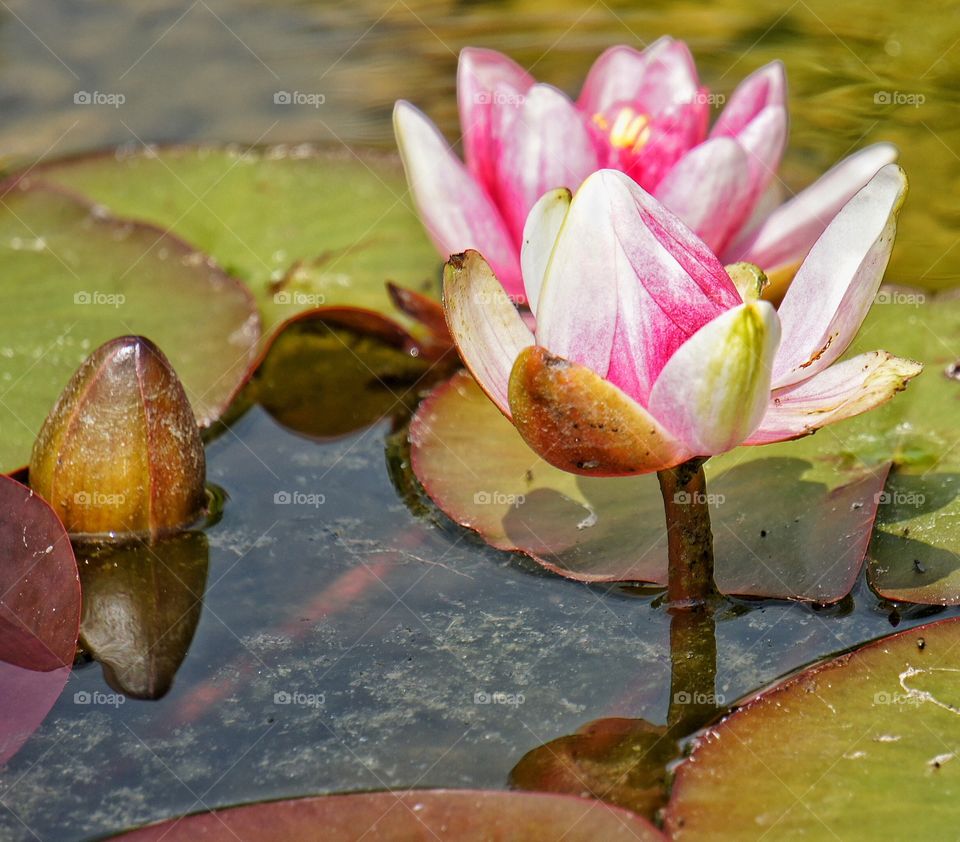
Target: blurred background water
column 399, row 654
column 859, row 72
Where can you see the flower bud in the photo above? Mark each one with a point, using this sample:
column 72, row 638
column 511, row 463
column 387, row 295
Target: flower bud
column 120, row 454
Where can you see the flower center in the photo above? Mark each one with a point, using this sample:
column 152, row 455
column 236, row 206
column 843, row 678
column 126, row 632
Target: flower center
column 629, row 129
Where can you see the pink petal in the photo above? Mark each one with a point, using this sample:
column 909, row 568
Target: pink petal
column 483, row 322
column 762, row 88
column 455, row 210
column 542, row 144
column 715, row 388
column 709, row 189
column 627, row 284
column 844, row 390
column 764, row 138
column 834, row 288
column 663, row 75
column 486, row 80
column 539, row 236
column 789, row 232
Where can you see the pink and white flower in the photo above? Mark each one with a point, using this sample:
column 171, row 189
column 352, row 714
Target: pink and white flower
column 643, row 113
column 647, row 352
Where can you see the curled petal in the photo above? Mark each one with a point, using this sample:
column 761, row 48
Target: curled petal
column 627, row 284
column 486, row 80
column 661, row 76
column 783, row 239
column 709, row 189
column 539, row 236
column 841, row 391
column 762, row 88
column 579, row 422
column 484, row 323
column 834, row 288
column 714, row 390
column 543, row 144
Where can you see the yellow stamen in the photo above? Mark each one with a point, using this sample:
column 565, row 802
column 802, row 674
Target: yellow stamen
column 631, row 130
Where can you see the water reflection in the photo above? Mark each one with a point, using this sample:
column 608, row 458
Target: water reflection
column 141, row 606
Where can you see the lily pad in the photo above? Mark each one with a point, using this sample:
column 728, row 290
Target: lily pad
column 861, row 747
column 39, row 612
column 788, row 520
column 368, row 362
column 434, row 815
column 303, row 227
column 915, row 553
column 75, row 277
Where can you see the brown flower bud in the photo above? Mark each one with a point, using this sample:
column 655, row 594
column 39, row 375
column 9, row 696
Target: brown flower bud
column 120, row 454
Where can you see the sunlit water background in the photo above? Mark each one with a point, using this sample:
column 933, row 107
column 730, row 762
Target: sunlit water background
column 398, row 657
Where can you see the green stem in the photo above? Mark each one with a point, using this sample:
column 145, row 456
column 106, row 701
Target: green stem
column 689, row 537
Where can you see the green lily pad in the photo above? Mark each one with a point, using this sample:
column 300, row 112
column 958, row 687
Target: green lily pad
column 915, row 553
column 788, row 520
column 303, row 227
column 415, row 816
column 861, row 747
column 74, row 277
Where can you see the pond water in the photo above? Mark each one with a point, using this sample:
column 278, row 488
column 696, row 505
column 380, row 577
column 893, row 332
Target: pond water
column 355, row 639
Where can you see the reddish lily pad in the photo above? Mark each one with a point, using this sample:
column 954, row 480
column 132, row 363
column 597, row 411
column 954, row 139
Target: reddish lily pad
column 619, row 761
column 434, row 815
column 372, row 366
column 303, row 227
column 39, row 612
column 788, row 521
column 861, row 747
column 74, row 278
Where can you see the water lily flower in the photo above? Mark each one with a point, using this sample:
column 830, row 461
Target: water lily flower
column 643, row 113
column 648, row 353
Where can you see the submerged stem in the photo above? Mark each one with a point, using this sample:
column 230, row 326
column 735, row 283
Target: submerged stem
column 689, row 537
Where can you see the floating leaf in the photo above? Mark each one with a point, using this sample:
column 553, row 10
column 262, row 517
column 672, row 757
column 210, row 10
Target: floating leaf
column 620, row 761
column 39, row 612
column 786, row 521
column 302, row 227
column 861, row 747
column 74, row 278
column 434, row 815
column 915, row 553
column 339, row 369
